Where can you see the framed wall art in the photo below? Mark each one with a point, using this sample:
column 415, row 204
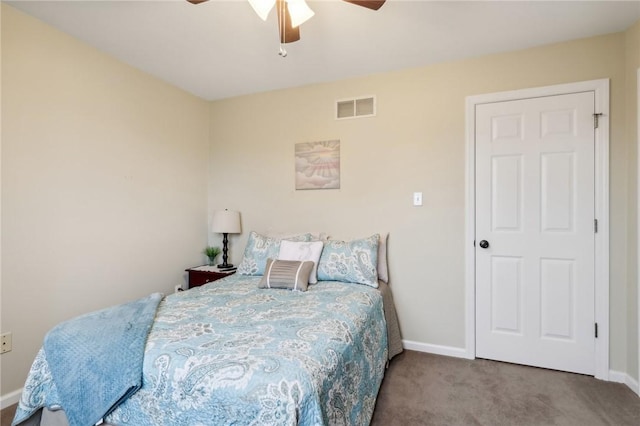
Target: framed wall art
column 318, row 165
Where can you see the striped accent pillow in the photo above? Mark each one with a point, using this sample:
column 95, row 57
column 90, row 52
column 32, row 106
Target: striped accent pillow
column 289, row 274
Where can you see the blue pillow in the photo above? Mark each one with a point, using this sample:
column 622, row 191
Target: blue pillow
column 350, row 261
column 259, row 248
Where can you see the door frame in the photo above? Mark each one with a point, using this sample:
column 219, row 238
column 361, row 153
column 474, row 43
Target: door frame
column 601, row 304
column 638, row 223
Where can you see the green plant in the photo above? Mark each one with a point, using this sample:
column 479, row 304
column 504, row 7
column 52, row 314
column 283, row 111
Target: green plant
column 212, row 252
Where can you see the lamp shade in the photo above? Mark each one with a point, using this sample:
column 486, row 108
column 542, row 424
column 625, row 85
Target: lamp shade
column 300, row 12
column 226, row 222
column 262, row 7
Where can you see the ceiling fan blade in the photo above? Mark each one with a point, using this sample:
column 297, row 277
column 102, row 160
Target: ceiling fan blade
column 196, row 1
column 287, row 32
column 369, row 4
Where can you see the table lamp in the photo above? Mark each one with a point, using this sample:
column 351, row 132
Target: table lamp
column 226, row 222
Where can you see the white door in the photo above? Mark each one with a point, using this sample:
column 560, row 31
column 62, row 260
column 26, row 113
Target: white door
column 535, row 212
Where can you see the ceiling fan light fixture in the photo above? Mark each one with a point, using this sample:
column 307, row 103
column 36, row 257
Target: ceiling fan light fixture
column 300, row 12
column 292, row 14
column 262, row 7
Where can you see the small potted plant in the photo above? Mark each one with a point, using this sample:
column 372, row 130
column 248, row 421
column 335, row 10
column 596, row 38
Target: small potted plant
column 212, row 253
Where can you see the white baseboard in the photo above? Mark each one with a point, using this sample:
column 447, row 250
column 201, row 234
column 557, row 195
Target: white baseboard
column 620, row 377
column 10, row 399
column 436, row 349
column 633, row 384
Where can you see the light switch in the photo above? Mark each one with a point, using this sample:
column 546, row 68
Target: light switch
column 417, row 198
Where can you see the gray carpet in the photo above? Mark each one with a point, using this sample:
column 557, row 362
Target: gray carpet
column 424, row 389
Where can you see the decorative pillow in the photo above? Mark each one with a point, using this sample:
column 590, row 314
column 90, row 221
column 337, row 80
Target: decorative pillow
column 259, row 248
column 302, row 250
column 350, row 261
column 315, row 235
column 289, row 274
column 383, row 269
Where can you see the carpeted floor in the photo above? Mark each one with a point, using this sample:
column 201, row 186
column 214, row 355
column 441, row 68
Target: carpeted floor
column 425, row 389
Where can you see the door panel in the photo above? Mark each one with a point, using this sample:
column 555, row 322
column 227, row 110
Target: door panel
column 535, row 206
column 506, row 291
column 557, row 286
column 506, row 188
column 558, row 192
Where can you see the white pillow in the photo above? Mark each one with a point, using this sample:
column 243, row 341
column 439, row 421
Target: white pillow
column 302, row 250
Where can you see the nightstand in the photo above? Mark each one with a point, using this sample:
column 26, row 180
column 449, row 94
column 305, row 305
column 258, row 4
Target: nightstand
column 205, row 274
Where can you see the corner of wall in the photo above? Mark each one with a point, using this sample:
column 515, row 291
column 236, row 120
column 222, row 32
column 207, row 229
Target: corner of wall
column 632, row 86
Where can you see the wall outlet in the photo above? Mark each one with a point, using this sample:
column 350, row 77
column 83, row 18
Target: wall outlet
column 177, row 288
column 5, row 342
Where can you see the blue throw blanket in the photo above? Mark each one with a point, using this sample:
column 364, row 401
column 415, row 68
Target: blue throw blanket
column 96, row 359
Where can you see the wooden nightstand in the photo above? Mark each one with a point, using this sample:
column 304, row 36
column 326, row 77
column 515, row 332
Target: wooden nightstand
column 205, row 274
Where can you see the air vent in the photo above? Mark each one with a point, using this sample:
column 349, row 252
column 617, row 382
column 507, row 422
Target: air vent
column 356, row 108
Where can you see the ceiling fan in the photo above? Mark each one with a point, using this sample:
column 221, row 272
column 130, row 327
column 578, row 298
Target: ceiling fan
column 292, row 13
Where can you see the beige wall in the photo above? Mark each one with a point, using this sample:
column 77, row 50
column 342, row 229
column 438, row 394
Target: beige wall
column 1, row 329
column 632, row 56
column 415, row 143
column 103, row 184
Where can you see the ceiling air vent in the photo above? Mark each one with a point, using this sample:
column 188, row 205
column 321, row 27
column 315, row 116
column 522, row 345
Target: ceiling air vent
column 356, row 108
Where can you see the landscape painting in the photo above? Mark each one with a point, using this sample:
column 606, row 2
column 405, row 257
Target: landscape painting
column 318, row 165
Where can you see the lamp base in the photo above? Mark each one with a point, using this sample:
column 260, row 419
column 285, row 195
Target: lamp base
column 225, row 266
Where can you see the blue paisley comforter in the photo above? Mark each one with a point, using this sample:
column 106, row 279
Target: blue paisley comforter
column 228, row 353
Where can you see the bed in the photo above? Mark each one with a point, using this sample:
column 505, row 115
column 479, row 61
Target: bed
column 239, row 352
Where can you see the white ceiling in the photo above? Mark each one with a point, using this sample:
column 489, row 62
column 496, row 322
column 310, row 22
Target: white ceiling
column 221, row 48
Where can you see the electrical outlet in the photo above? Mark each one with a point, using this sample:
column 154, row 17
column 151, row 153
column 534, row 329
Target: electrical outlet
column 5, row 342
column 177, row 288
